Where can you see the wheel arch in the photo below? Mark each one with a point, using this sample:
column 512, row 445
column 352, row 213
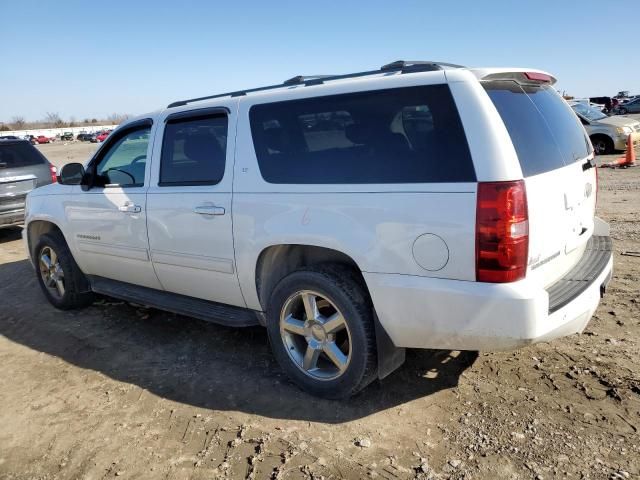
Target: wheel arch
column 277, row 261
column 38, row 227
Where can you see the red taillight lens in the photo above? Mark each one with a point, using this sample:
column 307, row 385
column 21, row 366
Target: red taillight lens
column 54, row 173
column 502, row 232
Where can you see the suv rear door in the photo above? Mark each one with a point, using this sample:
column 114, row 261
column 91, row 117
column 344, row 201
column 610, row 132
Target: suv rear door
column 189, row 204
column 555, row 156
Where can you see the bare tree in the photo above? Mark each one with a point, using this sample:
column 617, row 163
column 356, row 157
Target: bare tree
column 72, row 121
column 117, row 118
column 54, row 120
column 18, row 122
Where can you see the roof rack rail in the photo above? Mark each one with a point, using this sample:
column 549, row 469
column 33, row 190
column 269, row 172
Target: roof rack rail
column 407, row 66
column 402, row 66
column 306, row 79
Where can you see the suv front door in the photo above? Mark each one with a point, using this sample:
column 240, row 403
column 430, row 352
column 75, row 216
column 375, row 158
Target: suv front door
column 107, row 220
column 189, row 205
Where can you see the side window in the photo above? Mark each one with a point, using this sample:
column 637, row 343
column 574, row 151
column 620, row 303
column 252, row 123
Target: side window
column 194, row 151
column 400, row 135
column 124, row 163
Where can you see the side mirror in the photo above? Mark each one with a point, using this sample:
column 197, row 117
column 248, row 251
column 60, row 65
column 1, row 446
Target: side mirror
column 71, row 174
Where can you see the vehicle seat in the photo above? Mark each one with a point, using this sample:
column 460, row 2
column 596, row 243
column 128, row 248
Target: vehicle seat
column 206, row 155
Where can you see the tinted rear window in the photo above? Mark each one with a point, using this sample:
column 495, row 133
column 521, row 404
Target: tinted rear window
column 544, row 130
column 404, row 135
column 21, row 154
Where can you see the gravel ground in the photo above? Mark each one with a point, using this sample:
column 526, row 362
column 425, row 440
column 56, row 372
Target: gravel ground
column 117, row 390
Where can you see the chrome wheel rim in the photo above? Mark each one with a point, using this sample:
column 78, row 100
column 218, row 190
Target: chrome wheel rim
column 315, row 335
column 51, row 272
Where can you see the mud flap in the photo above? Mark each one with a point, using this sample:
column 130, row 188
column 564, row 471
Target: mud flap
column 390, row 357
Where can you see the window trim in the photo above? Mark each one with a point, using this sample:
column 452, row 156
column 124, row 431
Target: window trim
column 199, row 112
column 186, row 116
column 116, row 136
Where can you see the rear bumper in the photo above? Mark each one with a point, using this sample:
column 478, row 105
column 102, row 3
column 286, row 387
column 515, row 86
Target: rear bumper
column 419, row 312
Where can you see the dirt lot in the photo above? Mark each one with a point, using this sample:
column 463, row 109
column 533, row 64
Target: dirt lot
column 120, row 391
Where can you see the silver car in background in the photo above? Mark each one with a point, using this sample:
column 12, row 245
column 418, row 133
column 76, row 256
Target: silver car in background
column 606, row 133
column 22, row 168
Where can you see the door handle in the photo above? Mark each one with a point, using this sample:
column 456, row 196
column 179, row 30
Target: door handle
column 130, row 207
column 209, row 210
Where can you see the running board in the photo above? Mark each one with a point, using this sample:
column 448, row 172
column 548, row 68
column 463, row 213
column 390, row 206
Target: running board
column 220, row 313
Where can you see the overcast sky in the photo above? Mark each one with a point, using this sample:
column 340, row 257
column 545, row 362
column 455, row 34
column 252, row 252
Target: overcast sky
column 91, row 59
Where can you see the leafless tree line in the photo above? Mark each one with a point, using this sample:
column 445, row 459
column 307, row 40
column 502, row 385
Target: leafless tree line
column 54, row 120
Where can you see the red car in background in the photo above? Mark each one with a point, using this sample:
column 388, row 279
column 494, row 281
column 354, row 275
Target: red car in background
column 102, row 136
column 42, row 139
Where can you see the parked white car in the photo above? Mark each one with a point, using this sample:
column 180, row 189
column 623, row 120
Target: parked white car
column 606, row 133
column 421, row 205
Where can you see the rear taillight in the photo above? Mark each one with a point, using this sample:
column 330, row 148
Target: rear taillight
column 54, row 173
column 502, row 232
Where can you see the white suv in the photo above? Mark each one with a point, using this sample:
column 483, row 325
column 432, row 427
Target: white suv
column 422, row 205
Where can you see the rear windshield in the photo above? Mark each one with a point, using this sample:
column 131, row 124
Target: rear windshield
column 545, row 131
column 401, row 135
column 19, row 154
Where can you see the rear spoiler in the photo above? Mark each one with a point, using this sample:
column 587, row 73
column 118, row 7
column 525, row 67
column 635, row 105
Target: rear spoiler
column 525, row 76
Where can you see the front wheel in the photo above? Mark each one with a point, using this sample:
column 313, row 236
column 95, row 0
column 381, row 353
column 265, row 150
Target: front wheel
column 321, row 330
column 58, row 274
column 602, row 145
column 623, row 111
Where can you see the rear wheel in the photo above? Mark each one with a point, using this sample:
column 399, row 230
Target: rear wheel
column 602, row 145
column 320, row 325
column 59, row 275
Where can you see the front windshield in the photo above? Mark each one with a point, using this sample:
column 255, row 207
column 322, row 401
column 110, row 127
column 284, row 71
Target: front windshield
column 588, row 111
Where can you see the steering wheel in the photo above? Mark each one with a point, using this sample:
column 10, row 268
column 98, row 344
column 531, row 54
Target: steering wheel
column 138, row 159
column 133, row 179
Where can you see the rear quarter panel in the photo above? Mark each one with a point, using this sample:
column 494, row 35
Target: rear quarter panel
column 376, row 224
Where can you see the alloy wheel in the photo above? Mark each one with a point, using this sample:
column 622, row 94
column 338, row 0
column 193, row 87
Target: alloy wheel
column 316, row 335
column 51, row 272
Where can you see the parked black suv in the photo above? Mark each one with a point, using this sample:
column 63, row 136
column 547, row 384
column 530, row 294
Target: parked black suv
column 22, row 168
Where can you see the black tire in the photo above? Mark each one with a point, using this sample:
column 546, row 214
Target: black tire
column 602, row 145
column 76, row 287
column 342, row 287
column 623, row 111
